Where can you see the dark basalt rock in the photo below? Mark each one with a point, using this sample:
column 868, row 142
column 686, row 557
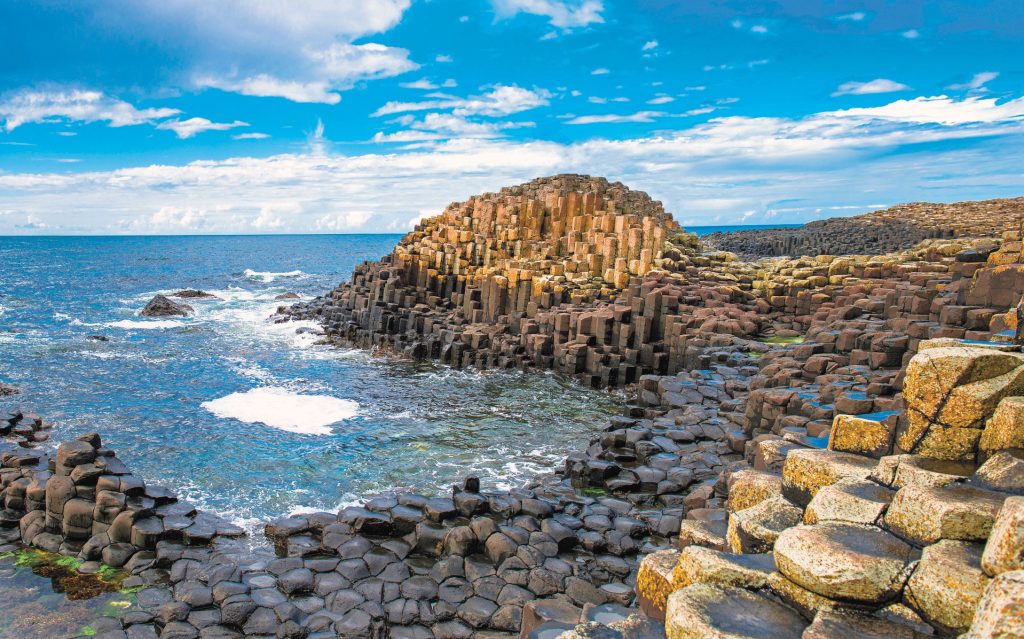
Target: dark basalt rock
column 161, row 306
column 193, row 293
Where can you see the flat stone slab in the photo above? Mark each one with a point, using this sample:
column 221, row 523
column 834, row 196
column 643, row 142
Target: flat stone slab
column 833, row 625
column 699, row 565
column 857, row 501
column 841, row 561
column 704, row 611
column 925, row 514
column 807, row 471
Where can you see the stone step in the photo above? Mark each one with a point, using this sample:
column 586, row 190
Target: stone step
column 704, row 611
column 845, row 562
column 807, row 471
column 926, row 514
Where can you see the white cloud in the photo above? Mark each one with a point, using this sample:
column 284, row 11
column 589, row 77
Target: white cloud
column 642, row 116
column 976, row 83
column 66, row 134
column 837, row 158
column 601, row 71
column 173, row 218
column 564, row 14
column 661, row 99
column 423, row 84
column 650, row 45
column 79, row 105
column 443, row 59
column 188, row 128
column 263, row 48
column 856, row 16
column 501, row 100
column 250, row 136
column 597, row 100
column 878, row 85
column 343, row 221
column 911, row 34
column 759, row 28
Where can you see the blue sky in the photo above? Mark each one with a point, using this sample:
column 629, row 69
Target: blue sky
column 241, row 116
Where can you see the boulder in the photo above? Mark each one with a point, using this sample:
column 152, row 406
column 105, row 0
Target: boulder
column 1005, row 548
column 947, row 585
column 1005, row 430
column 842, row 561
column 1000, row 613
column 161, row 306
column 755, row 529
column 654, row 582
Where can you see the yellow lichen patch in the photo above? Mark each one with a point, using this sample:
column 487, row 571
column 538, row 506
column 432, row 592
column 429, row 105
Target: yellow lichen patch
column 654, row 582
column 1005, row 430
column 854, row 434
column 749, row 487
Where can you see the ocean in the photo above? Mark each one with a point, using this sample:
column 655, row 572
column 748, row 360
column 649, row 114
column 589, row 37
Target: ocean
column 250, row 419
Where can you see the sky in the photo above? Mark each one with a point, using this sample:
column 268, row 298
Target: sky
column 350, row 116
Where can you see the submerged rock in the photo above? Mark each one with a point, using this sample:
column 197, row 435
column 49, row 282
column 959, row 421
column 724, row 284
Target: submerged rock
column 192, row 293
column 161, row 306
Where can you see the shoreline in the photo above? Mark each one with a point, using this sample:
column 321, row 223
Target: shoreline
column 699, row 493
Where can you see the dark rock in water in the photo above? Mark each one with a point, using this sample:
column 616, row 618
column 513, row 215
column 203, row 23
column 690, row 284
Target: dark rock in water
column 7, row 389
column 161, row 306
column 98, row 338
column 191, row 292
column 287, row 296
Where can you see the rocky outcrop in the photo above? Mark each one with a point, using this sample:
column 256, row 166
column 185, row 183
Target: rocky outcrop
column 162, row 306
column 889, row 230
column 916, row 539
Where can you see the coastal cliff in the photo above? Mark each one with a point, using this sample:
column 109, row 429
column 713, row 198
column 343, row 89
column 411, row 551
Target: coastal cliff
column 816, row 446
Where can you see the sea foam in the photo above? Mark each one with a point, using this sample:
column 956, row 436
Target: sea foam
column 144, row 324
column 269, row 276
column 285, row 410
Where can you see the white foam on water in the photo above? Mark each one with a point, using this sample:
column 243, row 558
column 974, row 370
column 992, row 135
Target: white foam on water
column 144, row 324
column 282, row 409
column 269, row 276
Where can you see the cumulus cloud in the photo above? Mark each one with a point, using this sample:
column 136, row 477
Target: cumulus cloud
column 250, row 136
column 650, row 45
column 188, row 128
column 346, row 221
column 270, row 49
column 878, row 85
column 78, row 105
column 834, row 158
column 564, row 14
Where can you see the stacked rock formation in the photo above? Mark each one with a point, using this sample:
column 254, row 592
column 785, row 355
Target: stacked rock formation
column 893, row 229
column 84, row 502
column 857, row 537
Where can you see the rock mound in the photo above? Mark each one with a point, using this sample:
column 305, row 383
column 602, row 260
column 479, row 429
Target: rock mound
column 893, row 229
column 162, row 306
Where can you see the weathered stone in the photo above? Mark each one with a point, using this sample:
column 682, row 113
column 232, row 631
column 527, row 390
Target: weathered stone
column 1005, row 430
column 832, row 625
column 1005, row 548
column 924, row 515
column 844, row 561
column 654, row 582
column 755, row 529
column 947, row 585
column 703, row 611
column 750, row 487
column 857, row 501
column 699, row 565
column 807, row 471
column 1000, row 613
column 860, row 435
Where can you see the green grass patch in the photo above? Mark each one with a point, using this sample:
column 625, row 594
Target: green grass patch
column 776, row 339
column 592, row 491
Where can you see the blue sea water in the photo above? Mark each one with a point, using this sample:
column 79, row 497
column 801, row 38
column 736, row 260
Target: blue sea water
column 156, row 390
